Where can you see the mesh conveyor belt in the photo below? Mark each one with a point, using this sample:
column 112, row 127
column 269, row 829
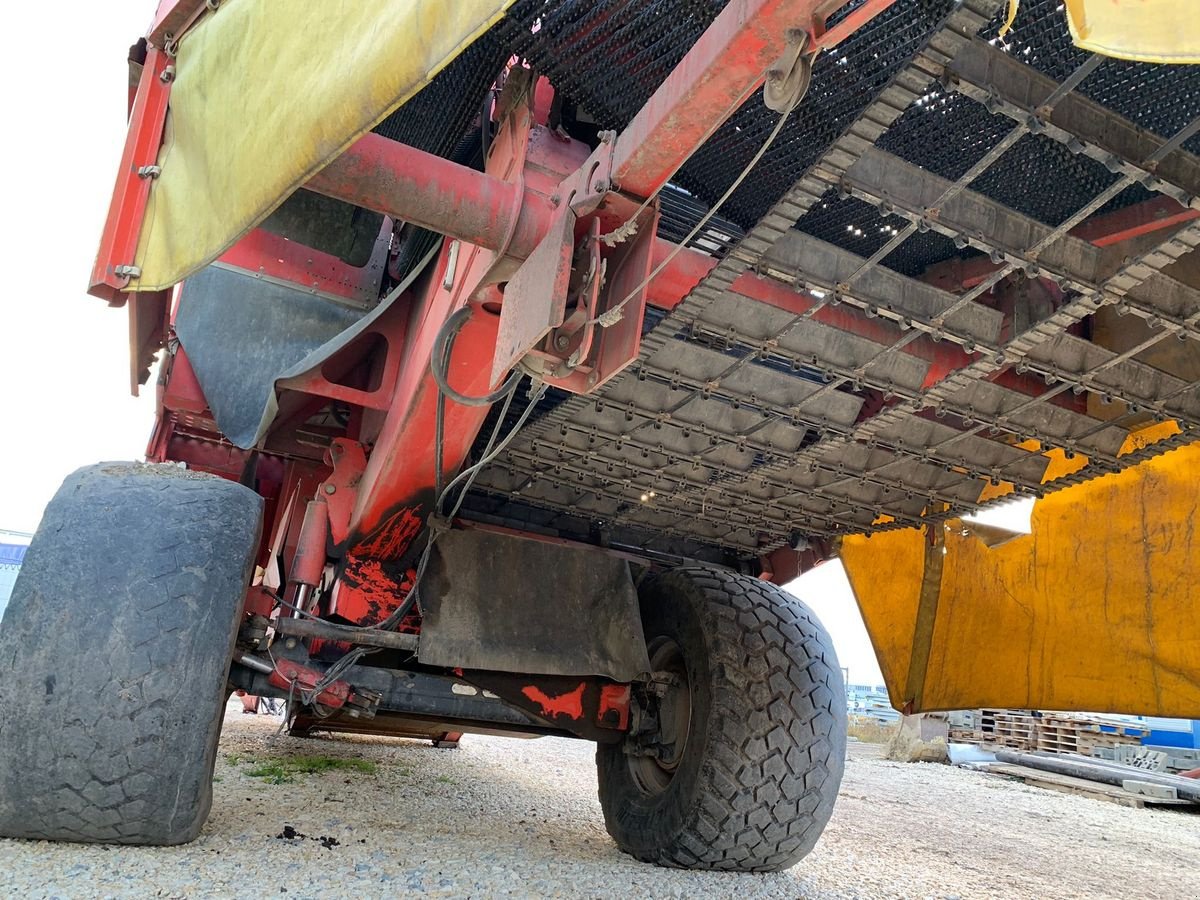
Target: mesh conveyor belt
column 742, row 424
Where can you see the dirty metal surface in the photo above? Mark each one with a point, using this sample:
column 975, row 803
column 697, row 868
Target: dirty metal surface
column 881, row 400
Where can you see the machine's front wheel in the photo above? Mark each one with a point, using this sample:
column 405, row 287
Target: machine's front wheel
column 115, row 652
column 737, row 761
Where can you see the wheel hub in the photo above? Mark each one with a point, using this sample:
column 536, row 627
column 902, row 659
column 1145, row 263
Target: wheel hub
column 659, row 740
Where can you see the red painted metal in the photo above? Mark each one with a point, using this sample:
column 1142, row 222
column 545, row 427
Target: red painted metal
column 367, row 593
column 723, row 68
column 609, row 350
column 593, row 708
column 784, row 564
column 539, row 291
column 259, row 601
column 181, row 391
column 412, row 186
column 569, row 703
column 118, row 242
column 1134, row 221
column 447, row 740
column 823, row 39
column 270, row 255
column 340, row 490
column 397, row 486
column 308, row 565
column 289, row 675
column 613, row 711
column 172, row 19
column 721, row 71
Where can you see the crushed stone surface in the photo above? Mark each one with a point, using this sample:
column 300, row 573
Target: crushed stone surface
column 506, row 817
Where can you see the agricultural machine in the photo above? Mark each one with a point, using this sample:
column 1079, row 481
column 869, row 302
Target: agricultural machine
column 513, row 353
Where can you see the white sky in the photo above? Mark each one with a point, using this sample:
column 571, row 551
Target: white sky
column 63, row 354
column 64, row 357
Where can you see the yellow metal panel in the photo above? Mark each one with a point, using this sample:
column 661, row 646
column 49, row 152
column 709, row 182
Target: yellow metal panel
column 1156, row 31
column 1096, row 610
column 266, row 93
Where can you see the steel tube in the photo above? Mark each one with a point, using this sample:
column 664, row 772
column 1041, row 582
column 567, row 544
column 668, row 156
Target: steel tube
column 331, row 631
column 413, row 186
column 723, row 68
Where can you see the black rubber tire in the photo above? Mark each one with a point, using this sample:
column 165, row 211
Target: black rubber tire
column 759, row 774
column 115, row 651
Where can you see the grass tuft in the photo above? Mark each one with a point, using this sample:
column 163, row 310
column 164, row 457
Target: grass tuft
column 284, row 769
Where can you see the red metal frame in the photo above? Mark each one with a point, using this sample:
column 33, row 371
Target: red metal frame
column 113, row 270
column 376, row 483
column 272, row 256
column 172, row 19
column 728, row 63
column 413, row 186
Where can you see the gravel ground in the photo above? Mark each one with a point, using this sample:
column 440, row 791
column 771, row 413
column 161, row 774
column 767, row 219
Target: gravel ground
column 512, row 817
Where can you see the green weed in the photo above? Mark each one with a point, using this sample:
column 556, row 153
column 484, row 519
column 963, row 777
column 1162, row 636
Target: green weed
column 284, row 769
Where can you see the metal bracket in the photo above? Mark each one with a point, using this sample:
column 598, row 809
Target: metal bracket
column 536, row 295
column 340, row 490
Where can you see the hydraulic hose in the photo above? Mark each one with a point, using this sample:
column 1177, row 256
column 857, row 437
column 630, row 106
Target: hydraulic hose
column 443, row 345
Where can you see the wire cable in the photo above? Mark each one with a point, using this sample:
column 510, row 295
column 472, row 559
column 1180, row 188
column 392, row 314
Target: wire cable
column 440, row 364
column 613, row 315
column 472, row 471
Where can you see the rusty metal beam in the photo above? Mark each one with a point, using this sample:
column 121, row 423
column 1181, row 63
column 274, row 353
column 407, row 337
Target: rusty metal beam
column 1009, row 87
column 723, row 69
column 413, row 186
column 916, row 194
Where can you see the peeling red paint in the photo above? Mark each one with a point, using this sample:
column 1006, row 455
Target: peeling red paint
column 394, row 536
column 368, row 593
column 569, row 704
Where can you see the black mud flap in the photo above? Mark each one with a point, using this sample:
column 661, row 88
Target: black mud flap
column 509, row 604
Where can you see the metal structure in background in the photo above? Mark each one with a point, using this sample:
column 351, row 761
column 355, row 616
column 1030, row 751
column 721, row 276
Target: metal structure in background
column 958, row 269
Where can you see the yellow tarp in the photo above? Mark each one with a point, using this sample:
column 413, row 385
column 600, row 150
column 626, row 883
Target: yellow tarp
column 266, row 93
column 1155, row 31
column 1097, row 610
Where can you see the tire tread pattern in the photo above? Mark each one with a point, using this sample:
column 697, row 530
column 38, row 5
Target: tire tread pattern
column 114, row 655
column 774, row 750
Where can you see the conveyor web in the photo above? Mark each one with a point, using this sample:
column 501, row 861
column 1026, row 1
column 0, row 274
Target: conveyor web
column 744, row 423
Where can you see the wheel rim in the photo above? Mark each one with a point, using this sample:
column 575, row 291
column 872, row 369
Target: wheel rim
column 653, row 773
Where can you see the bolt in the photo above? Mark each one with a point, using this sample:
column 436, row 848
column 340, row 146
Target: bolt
column 167, row 75
column 561, row 342
column 330, row 489
column 290, row 643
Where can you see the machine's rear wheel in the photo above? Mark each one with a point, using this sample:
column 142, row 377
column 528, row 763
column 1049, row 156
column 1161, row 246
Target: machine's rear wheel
column 737, row 764
column 114, row 655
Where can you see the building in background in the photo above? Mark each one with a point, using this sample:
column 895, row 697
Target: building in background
column 871, row 702
column 12, row 553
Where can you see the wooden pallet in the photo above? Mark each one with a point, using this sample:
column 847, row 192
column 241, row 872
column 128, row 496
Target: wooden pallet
column 1018, row 729
column 1068, row 785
